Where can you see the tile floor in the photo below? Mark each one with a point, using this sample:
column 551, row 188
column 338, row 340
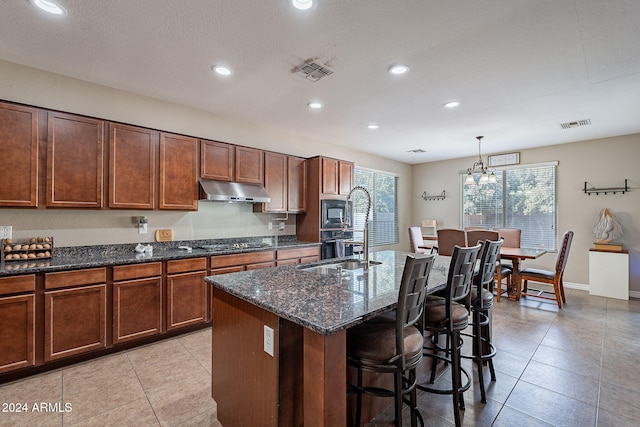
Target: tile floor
column 571, row 367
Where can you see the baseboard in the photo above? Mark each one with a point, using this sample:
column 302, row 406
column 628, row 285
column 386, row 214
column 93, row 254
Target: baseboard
column 634, row 294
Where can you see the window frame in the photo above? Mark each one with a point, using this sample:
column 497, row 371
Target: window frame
column 503, row 215
column 375, row 239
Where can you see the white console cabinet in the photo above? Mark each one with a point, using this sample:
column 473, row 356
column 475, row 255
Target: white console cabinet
column 609, row 274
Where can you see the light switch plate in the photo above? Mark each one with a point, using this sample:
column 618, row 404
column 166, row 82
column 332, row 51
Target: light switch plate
column 6, row 232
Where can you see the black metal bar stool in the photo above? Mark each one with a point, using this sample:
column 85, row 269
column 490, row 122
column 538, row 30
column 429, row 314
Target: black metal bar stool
column 449, row 316
column 394, row 347
column 479, row 303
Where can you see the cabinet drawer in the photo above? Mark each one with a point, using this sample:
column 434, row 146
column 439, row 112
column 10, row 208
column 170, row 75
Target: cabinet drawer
column 12, row 285
column 241, row 259
column 125, row 272
column 184, row 265
column 65, row 279
column 296, row 253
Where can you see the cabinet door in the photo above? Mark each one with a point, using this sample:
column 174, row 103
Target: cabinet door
column 275, row 181
column 19, row 148
column 74, row 161
column 296, row 185
column 216, row 160
column 133, row 154
column 17, row 320
column 249, row 165
column 329, row 176
column 345, row 177
column 186, row 299
column 178, row 172
column 137, row 309
column 75, row 321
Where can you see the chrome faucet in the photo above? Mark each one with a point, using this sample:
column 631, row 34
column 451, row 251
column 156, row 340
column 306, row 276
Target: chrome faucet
column 366, row 220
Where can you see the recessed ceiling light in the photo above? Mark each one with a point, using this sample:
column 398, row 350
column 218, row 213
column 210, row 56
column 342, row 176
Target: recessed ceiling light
column 315, row 105
column 222, row 70
column 452, row 104
column 373, row 126
column 49, row 6
column 398, row 69
column 302, row 4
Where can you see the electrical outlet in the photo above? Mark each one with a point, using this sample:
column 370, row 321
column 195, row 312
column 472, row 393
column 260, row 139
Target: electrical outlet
column 268, row 340
column 270, row 225
column 281, row 225
column 6, row 232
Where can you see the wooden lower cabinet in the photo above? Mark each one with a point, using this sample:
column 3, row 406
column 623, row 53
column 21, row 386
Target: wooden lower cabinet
column 187, row 301
column 137, row 303
column 221, row 264
column 17, row 320
column 297, row 255
column 75, row 321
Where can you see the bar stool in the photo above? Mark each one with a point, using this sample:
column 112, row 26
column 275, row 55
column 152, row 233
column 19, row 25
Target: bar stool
column 449, row 316
column 394, row 347
column 479, row 303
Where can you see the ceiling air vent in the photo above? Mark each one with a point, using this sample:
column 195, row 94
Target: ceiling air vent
column 313, row 71
column 569, row 125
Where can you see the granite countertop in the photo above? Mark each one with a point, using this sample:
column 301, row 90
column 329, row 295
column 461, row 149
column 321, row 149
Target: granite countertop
column 75, row 257
column 326, row 303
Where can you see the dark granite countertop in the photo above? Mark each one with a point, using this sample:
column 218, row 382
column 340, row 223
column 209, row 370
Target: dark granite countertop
column 326, row 303
column 75, row 257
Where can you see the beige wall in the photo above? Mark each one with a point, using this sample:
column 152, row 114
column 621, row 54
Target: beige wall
column 81, row 227
column 602, row 163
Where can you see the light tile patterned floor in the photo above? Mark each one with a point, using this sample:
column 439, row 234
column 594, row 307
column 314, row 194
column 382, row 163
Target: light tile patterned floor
column 571, row 367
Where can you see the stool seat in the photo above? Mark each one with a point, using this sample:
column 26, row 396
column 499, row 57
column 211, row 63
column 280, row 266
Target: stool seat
column 485, row 294
column 436, row 316
column 376, row 341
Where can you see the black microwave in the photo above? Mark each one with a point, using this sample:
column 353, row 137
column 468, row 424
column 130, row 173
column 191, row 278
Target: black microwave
column 334, row 213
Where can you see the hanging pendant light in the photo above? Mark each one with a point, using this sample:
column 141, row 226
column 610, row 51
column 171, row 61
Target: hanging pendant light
column 487, row 176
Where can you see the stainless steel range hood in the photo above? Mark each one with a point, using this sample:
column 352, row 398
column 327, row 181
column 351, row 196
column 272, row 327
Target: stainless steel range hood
column 222, row 191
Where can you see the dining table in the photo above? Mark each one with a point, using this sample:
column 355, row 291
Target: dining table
column 516, row 255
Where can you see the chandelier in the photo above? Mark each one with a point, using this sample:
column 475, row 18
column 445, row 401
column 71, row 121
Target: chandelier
column 487, row 175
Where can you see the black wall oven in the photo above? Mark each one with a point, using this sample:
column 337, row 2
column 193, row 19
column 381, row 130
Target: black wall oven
column 333, row 243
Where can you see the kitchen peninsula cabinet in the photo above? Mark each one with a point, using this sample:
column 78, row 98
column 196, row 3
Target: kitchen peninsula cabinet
column 19, row 147
column 178, row 172
column 75, row 312
column 186, row 292
column 133, row 153
column 75, row 165
column 137, row 301
column 17, row 322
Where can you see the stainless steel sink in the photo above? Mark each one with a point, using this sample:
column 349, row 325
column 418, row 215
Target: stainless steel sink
column 339, row 267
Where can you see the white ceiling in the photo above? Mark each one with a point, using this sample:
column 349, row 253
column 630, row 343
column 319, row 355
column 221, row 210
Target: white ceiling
column 519, row 67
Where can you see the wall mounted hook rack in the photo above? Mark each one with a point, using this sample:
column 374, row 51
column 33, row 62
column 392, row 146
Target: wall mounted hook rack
column 441, row 196
column 614, row 190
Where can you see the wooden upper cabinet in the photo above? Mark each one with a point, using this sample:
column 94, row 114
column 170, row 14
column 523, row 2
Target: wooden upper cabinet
column 345, row 177
column 297, row 185
column 133, row 153
column 216, row 160
column 329, row 176
column 249, row 165
column 19, row 148
column 75, row 153
column 275, row 181
column 178, row 172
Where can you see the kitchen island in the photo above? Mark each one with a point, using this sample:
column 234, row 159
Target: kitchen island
column 300, row 314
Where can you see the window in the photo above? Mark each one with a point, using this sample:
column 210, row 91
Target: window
column 524, row 197
column 383, row 220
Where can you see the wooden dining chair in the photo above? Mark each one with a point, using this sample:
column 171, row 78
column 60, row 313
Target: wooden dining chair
column 511, row 237
column 448, row 238
column 551, row 277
